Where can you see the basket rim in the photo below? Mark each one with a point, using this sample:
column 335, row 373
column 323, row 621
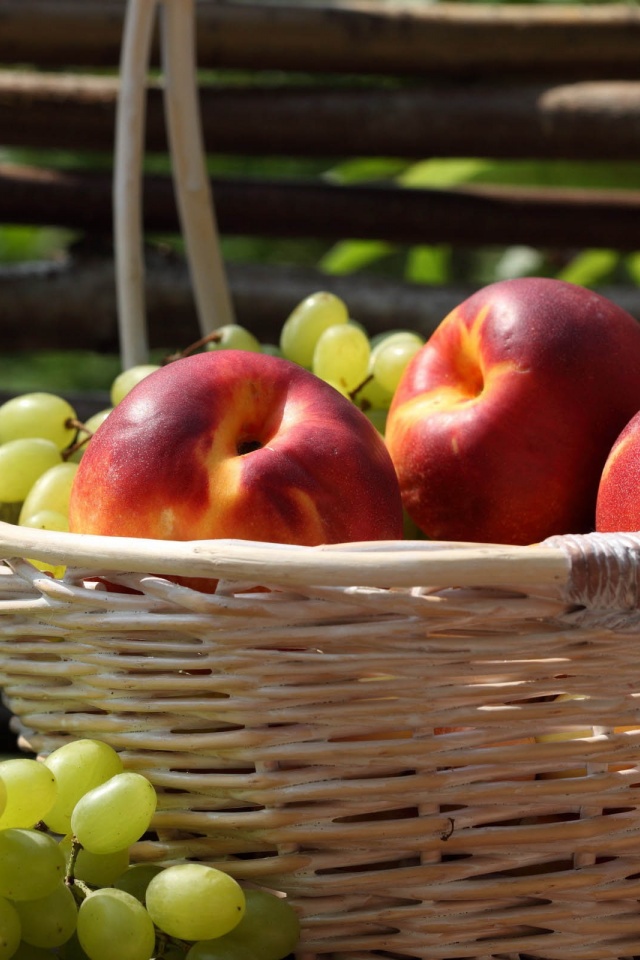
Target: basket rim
column 384, row 563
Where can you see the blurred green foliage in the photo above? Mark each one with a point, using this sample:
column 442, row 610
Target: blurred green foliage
column 426, row 264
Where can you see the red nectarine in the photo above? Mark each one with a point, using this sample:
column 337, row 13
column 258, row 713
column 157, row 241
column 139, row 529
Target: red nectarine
column 502, row 422
column 241, row 445
column 618, row 501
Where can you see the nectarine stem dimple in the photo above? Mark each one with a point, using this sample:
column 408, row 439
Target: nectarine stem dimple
column 247, row 446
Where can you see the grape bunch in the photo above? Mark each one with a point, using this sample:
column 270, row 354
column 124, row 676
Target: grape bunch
column 68, row 889
column 320, row 336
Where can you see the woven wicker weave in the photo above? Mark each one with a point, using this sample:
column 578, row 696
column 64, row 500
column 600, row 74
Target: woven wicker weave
column 300, row 738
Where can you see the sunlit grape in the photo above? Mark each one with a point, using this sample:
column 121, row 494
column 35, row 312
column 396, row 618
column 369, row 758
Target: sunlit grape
column 308, row 320
column 95, row 869
column 22, row 461
column 50, row 491
column 193, row 901
column 391, row 359
column 232, row 336
column 78, row 767
column 42, row 415
column 269, row 930
column 31, row 864
column 128, row 379
column 30, row 791
column 10, row 929
column 342, row 356
column 48, row 921
column 109, row 916
column 115, row 814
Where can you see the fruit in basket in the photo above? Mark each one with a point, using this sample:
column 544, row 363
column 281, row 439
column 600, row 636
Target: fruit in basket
column 59, row 898
column 233, row 444
column 39, row 414
column 179, row 901
column 618, row 502
column 502, row 422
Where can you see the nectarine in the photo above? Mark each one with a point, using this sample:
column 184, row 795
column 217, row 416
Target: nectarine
column 241, row 445
column 502, row 422
column 618, row 501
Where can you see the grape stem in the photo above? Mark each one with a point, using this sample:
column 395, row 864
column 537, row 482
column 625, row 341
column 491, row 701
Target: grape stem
column 79, row 889
column 354, row 393
column 214, row 337
column 78, row 442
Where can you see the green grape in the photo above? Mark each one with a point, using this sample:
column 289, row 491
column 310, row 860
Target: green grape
column 308, row 320
column 234, row 337
column 273, row 349
column 339, row 387
column 30, row 792
column 71, row 949
column 383, row 335
column 92, row 425
column 22, row 461
column 10, row 929
column 136, row 879
column 78, row 767
column 113, row 923
column 114, row 815
column 31, row 864
column 95, row 869
column 41, row 415
column 222, row 948
column 342, row 356
column 391, row 358
column 128, row 379
column 269, row 930
column 48, row 921
column 372, row 394
column 193, row 901
column 46, row 520
column 51, row 491
column 378, row 418
column 27, row 952
column 3, row 795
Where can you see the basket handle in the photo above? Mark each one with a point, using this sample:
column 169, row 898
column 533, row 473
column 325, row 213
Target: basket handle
column 191, row 182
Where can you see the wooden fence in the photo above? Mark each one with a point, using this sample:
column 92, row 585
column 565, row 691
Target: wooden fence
column 364, row 78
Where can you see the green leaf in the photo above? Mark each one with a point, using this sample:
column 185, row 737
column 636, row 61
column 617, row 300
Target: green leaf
column 428, row 264
column 350, row 255
column 590, row 267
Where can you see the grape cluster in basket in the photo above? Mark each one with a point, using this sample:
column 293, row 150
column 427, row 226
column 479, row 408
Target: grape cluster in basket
column 68, row 888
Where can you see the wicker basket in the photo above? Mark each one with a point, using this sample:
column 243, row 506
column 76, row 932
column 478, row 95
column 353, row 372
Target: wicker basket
column 364, row 735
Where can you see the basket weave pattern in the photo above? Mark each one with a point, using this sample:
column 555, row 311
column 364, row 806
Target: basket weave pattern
column 371, row 751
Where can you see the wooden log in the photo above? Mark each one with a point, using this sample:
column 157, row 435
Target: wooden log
column 589, row 119
column 470, row 216
column 71, row 304
column 358, row 36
